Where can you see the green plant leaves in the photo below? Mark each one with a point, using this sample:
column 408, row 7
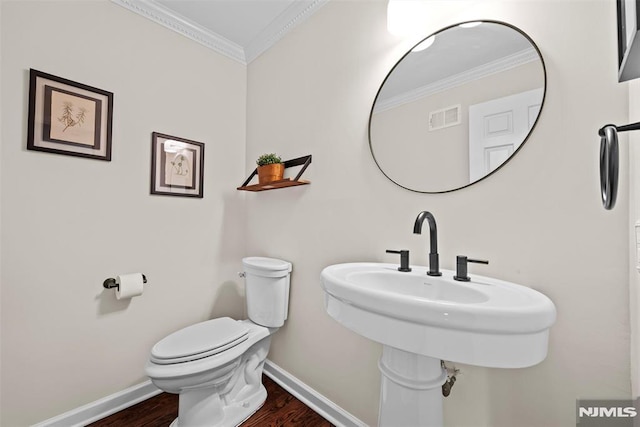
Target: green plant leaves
column 268, row 159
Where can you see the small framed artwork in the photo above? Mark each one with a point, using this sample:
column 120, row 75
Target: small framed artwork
column 177, row 166
column 67, row 117
column 628, row 39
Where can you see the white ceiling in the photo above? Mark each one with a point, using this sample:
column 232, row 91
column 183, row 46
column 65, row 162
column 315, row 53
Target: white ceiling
column 239, row 29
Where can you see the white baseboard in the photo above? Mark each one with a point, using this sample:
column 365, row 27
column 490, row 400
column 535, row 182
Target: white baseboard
column 111, row 404
column 314, row 400
column 104, row 407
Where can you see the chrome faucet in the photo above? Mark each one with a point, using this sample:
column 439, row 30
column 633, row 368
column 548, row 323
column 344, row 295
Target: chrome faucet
column 434, row 262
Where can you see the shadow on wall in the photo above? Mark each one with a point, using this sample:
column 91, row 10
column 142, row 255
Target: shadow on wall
column 227, row 300
column 108, row 303
column 233, row 217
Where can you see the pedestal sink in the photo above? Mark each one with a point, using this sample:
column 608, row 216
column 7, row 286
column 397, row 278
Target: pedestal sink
column 421, row 320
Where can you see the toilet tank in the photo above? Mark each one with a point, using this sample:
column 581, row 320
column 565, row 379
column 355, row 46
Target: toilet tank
column 267, row 290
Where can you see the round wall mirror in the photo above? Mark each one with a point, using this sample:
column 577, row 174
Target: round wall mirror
column 457, row 106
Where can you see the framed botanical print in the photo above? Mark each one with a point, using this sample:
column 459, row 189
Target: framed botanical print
column 177, row 166
column 67, row 117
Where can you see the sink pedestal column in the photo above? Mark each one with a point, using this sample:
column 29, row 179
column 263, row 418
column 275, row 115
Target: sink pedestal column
column 411, row 389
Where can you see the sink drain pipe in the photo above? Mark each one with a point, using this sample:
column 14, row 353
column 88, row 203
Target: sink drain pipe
column 452, row 372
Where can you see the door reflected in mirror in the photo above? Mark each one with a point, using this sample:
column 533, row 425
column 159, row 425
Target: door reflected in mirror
column 457, row 106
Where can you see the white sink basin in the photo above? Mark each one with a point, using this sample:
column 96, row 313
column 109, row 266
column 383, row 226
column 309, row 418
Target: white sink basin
column 484, row 322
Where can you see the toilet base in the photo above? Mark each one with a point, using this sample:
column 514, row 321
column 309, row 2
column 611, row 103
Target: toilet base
column 221, row 390
column 236, row 413
column 226, row 394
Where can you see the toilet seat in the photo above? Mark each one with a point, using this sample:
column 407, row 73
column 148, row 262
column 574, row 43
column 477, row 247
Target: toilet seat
column 199, row 341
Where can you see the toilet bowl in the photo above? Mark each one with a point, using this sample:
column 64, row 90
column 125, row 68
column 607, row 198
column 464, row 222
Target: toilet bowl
column 216, row 366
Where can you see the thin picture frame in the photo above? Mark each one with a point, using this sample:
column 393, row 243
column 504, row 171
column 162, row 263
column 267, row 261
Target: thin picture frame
column 628, row 16
column 70, row 118
column 177, row 166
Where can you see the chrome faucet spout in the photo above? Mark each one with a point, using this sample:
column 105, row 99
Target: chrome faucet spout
column 434, row 261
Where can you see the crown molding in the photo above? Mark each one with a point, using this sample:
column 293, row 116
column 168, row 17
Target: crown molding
column 497, row 66
column 169, row 19
column 294, row 15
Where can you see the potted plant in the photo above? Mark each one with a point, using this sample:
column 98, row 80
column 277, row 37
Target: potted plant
column 270, row 168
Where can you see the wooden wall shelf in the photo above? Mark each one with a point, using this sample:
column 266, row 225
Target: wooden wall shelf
column 283, row 183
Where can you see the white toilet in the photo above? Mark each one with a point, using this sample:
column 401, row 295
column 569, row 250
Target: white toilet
column 216, row 366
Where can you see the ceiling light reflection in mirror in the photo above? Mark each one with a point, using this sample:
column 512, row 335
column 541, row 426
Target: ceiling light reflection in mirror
column 453, row 113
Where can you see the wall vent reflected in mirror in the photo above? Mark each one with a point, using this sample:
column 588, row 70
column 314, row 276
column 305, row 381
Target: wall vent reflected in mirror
column 481, row 87
column 445, row 117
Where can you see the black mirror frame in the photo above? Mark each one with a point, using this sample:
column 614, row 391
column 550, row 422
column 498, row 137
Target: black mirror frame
column 544, row 94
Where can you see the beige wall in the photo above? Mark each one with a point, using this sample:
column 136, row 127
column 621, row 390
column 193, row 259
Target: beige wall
column 69, row 223
column 539, row 220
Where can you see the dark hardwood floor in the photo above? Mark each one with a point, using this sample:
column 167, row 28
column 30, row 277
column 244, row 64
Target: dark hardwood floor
column 281, row 409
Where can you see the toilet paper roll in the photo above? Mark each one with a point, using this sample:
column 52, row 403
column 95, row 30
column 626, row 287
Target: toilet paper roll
column 129, row 285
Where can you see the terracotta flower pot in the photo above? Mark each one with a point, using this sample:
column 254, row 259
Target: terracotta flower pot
column 270, row 173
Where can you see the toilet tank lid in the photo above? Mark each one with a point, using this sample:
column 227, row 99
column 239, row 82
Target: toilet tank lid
column 266, row 264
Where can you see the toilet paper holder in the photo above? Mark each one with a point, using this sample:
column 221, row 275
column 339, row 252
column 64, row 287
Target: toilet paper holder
column 110, row 283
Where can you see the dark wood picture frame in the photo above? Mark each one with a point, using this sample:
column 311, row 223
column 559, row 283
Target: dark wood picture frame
column 628, row 13
column 177, row 166
column 70, row 118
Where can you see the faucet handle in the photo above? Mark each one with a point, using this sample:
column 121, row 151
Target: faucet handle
column 462, row 269
column 404, row 259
